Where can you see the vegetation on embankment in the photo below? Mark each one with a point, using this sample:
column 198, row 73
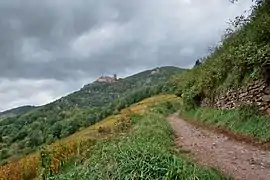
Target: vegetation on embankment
column 245, row 121
column 242, row 56
column 146, row 152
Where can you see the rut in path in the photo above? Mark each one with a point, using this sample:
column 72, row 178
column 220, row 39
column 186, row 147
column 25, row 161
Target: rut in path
column 237, row 159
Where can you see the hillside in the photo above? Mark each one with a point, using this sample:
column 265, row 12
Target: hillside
column 109, row 150
column 104, row 93
column 16, row 111
column 24, row 133
column 241, row 60
column 230, row 89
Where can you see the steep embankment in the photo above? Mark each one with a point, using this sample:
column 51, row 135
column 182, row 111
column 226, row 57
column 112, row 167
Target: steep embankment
column 230, row 89
column 237, row 64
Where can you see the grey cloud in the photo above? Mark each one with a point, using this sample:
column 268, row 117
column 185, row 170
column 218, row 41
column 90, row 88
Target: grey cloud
column 36, row 36
column 60, row 40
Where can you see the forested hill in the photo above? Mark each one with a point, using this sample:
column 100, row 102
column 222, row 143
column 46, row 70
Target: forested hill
column 23, row 133
column 16, row 111
column 98, row 94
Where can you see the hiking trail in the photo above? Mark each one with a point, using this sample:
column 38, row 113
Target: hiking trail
column 234, row 158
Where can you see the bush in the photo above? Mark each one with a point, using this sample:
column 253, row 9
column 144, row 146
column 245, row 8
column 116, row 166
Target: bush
column 4, row 153
column 248, row 111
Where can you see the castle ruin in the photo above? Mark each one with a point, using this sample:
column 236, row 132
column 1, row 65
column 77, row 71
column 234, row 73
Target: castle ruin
column 107, row 79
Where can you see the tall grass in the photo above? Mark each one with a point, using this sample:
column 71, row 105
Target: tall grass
column 144, row 153
column 241, row 121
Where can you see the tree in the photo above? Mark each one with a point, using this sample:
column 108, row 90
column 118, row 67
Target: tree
column 56, row 130
column 35, row 138
column 197, row 63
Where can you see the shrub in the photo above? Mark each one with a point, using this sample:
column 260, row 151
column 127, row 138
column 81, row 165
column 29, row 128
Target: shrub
column 247, row 111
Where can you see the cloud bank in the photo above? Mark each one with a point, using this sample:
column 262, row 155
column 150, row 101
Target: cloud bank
column 49, row 48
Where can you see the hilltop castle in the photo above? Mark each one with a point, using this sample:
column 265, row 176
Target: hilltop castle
column 107, row 79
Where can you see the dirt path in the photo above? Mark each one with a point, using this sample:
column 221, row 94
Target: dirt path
column 238, row 159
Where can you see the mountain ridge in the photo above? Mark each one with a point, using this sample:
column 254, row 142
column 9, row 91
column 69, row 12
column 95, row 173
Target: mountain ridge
column 23, row 108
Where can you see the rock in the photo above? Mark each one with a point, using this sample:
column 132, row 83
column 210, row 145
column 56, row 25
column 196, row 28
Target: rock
column 266, row 98
column 262, row 87
column 267, row 90
column 268, row 111
column 252, row 161
column 243, row 94
column 254, row 91
column 254, row 86
column 259, row 99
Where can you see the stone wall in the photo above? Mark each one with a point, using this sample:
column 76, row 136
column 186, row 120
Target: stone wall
column 257, row 93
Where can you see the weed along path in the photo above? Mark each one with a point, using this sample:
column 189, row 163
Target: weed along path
column 237, row 159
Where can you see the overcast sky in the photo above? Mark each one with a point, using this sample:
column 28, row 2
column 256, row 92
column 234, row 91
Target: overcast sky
column 49, row 48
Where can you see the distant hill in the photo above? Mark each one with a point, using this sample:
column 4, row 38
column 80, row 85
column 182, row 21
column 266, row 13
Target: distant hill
column 16, row 111
column 21, row 134
column 97, row 94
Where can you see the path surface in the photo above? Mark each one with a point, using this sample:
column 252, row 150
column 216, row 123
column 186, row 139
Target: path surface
column 238, row 159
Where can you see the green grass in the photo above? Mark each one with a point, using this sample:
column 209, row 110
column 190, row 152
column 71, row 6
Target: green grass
column 146, row 152
column 238, row 121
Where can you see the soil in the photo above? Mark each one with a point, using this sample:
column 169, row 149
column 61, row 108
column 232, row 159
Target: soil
column 234, row 158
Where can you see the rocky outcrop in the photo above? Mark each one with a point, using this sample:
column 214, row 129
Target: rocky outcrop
column 256, row 93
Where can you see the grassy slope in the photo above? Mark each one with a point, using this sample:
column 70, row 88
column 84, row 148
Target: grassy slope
column 239, row 121
column 75, row 145
column 144, row 153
